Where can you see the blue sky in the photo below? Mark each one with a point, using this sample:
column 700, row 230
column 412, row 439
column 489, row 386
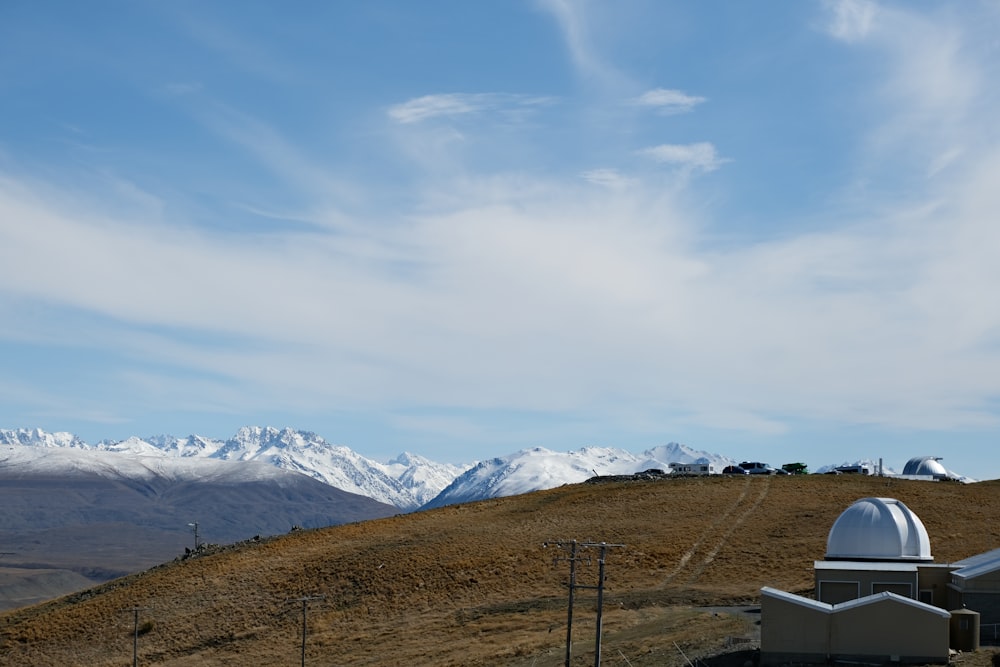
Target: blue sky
column 766, row 230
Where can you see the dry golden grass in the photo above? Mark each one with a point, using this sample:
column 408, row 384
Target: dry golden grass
column 472, row 585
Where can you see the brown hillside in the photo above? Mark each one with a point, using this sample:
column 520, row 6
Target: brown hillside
column 472, row 584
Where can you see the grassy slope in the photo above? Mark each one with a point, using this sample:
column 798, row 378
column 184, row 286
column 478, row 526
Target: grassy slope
column 472, row 585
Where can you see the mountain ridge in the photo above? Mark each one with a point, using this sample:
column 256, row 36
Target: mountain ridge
column 407, row 482
column 540, row 468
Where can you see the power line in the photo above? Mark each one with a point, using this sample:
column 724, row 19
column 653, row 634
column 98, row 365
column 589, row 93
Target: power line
column 575, row 555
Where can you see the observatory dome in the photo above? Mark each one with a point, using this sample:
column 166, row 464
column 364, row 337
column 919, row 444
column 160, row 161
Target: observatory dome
column 925, row 465
column 878, row 529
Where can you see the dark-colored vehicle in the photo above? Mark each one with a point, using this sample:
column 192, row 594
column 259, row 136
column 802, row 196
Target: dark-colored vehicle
column 734, row 470
column 757, row 468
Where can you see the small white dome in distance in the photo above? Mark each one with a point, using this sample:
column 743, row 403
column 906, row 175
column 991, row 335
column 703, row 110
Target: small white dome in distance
column 878, row 529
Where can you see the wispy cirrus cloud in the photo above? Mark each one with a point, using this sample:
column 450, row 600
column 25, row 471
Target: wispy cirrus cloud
column 932, row 60
column 608, row 178
column 930, row 90
column 701, row 155
column 575, row 23
column 217, row 35
column 667, row 101
column 453, row 105
column 271, row 147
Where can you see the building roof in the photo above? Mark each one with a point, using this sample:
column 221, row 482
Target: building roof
column 978, row 559
column 879, row 529
column 796, row 599
column 886, row 596
column 881, row 566
column 877, row 598
column 978, row 565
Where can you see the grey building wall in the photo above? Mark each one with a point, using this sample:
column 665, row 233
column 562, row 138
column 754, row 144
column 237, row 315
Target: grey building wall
column 876, row 630
column 985, row 602
column 792, row 633
column 932, row 585
column 890, row 630
column 836, row 586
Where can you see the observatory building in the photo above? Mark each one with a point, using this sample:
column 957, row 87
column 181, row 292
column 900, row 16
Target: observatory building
column 926, row 466
column 880, row 597
column 878, row 545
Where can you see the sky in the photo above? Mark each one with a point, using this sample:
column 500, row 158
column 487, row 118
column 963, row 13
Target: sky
column 461, row 229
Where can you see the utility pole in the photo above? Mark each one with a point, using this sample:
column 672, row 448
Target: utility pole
column 195, row 526
column 135, row 633
column 573, row 544
column 574, row 556
column 305, row 600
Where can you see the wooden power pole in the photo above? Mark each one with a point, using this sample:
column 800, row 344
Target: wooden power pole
column 575, row 555
column 305, row 600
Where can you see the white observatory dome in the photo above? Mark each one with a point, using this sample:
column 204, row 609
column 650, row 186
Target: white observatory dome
column 925, row 465
column 878, row 529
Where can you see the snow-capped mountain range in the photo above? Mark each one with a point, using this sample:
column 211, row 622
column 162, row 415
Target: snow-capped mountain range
column 540, row 468
column 408, row 481
column 54, row 488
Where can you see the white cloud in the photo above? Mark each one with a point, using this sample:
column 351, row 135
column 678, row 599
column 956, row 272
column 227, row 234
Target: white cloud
column 453, row 105
column 522, row 290
column 941, row 162
column 217, row 34
column 932, row 62
column 932, row 71
column 274, row 152
column 575, row 21
column 560, row 297
column 702, row 155
column 433, row 106
column 931, row 100
column 608, row 178
column 851, row 20
column 668, row 101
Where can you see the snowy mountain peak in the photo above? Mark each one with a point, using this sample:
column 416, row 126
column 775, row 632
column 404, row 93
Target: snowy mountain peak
column 539, row 468
column 675, row 452
column 39, row 438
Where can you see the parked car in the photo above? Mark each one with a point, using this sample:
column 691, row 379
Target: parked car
column 734, row 470
column 758, row 468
